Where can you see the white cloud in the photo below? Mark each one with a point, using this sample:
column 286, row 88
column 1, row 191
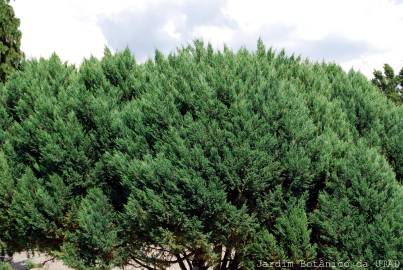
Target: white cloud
column 68, row 27
column 362, row 34
column 375, row 24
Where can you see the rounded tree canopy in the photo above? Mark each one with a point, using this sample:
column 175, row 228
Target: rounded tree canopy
column 202, row 158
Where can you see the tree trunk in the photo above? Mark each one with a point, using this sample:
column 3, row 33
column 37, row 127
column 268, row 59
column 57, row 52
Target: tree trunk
column 234, row 264
column 225, row 259
column 199, row 264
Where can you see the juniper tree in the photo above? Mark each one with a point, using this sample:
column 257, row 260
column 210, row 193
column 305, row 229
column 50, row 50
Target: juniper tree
column 202, row 158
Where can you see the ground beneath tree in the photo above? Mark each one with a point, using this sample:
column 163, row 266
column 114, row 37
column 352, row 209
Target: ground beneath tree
column 20, row 261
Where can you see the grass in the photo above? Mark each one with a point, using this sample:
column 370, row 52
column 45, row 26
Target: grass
column 29, row 265
column 5, row 266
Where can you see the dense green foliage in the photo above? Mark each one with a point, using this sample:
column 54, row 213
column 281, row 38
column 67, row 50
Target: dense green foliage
column 10, row 40
column 203, row 158
column 389, row 83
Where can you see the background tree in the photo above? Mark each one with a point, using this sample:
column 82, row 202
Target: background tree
column 10, row 40
column 202, row 158
column 389, row 83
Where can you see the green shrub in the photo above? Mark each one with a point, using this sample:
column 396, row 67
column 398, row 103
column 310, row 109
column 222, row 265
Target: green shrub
column 201, row 157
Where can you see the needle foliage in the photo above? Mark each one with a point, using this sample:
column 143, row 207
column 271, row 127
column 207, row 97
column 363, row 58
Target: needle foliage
column 202, row 158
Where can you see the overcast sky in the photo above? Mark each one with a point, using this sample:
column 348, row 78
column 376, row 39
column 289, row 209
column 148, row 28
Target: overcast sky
column 362, row 34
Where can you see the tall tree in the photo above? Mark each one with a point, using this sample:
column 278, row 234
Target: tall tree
column 10, row 40
column 389, row 83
